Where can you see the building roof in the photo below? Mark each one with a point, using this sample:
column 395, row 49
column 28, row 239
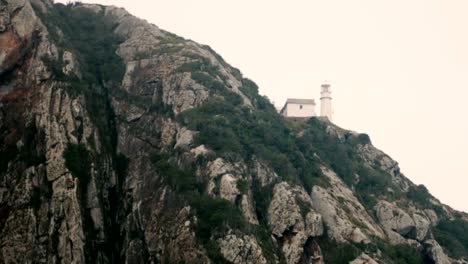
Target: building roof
column 300, row 101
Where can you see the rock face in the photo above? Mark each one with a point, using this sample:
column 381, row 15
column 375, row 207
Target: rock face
column 342, row 213
column 363, row 259
column 241, row 249
column 399, row 225
column 291, row 224
column 98, row 163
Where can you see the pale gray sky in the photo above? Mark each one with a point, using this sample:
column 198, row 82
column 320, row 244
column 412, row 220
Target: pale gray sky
column 398, row 69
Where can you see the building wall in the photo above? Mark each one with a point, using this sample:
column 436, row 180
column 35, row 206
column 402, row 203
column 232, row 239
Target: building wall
column 326, row 108
column 295, row 110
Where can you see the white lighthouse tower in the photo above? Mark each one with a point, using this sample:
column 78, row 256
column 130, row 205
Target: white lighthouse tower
column 325, row 101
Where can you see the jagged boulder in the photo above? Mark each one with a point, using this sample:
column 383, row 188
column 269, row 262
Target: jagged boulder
column 422, row 225
column 223, row 178
column 70, row 64
column 241, row 249
column 400, row 225
column 199, row 151
column 184, row 138
column 228, row 187
column 393, row 219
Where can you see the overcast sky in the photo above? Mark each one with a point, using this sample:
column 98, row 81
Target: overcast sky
column 398, row 69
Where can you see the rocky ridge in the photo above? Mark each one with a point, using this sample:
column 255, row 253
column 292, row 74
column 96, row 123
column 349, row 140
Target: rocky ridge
column 104, row 162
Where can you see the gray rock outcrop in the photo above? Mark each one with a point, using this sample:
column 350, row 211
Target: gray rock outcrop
column 291, row 224
column 435, row 252
column 342, row 212
column 241, row 249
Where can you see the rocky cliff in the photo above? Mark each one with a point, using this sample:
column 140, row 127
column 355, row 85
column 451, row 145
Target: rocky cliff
column 121, row 142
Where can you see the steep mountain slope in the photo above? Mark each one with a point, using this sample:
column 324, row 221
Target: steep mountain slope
column 121, row 142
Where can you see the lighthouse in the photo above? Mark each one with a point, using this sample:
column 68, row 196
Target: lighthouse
column 325, row 102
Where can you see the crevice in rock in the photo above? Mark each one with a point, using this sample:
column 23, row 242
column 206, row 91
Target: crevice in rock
column 312, row 252
column 287, row 235
column 147, row 142
column 4, row 214
column 408, row 233
column 15, row 11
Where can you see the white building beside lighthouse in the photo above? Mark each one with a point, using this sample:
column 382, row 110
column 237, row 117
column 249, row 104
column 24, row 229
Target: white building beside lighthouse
column 300, row 109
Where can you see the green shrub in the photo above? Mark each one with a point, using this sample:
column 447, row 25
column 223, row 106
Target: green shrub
column 216, row 215
column 208, row 81
column 422, row 198
column 262, row 197
column 337, row 252
column 303, row 206
column 404, row 254
column 392, row 254
column 419, row 194
column 200, row 65
column 372, row 181
column 180, row 180
column 90, row 35
column 242, row 186
column 54, row 66
column 453, row 236
column 249, row 88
